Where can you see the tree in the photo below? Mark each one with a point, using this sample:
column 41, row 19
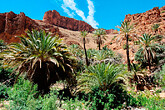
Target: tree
column 99, row 33
column 84, row 34
column 155, row 27
column 101, row 76
column 126, row 28
column 41, row 58
column 147, row 48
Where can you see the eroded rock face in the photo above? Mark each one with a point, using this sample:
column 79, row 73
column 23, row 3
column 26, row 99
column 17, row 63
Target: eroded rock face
column 12, row 25
column 111, row 31
column 53, row 17
column 144, row 21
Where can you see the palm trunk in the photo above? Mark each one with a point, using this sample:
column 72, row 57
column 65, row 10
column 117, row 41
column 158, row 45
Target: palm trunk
column 127, row 52
column 86, row 57
column 99, row 42
column 41, row 78
column 149, row 63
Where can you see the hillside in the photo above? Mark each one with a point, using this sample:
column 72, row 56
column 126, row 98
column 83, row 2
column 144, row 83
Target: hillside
column 12, row 25
column 144, row 21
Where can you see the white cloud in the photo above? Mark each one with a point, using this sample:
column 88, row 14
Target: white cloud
column 72, row 6
column 90, row 17
column 67, row 11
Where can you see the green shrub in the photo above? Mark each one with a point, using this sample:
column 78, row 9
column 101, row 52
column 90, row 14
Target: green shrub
column 75, row 104
column 49, row 101
column 24, row 96
column 149, row 100
column 101, row 99
column 115, row 97
column 3, row 91
column 160, row 77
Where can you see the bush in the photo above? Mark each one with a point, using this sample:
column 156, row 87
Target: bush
column 24, row 96
column 160, row 77
column 149, row 100
column 75, row 104
column 3, row 91
column 114, row 97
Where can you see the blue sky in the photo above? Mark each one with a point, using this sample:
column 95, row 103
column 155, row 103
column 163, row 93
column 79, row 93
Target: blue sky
column 99, row 13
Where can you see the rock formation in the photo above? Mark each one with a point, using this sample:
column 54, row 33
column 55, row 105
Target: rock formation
column 112, row 31
column 12, row 25
column 53, row 17
column 144, row 21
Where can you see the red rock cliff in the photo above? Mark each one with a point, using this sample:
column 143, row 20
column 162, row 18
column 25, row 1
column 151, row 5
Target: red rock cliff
column 12, row 25
column 144, row 21
column 53, row 17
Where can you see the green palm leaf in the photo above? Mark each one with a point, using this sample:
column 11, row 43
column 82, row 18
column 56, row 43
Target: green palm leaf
column 41, row 58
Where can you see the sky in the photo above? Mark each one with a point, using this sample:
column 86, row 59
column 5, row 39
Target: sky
column 105, row 14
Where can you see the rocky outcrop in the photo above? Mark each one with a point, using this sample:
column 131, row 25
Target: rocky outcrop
column 53, row 17
column 12, row 25
column 144, row 21
column 112, row 31
column 49, row 28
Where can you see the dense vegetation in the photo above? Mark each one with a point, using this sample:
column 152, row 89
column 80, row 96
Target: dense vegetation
column 92, row 79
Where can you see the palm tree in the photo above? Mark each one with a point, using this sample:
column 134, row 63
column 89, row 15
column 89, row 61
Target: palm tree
column 84, row 34
column 98, row 33
column 126, row 28
column 101, row 76
column 41, row 58
column 155, row 27
column 147, row 48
